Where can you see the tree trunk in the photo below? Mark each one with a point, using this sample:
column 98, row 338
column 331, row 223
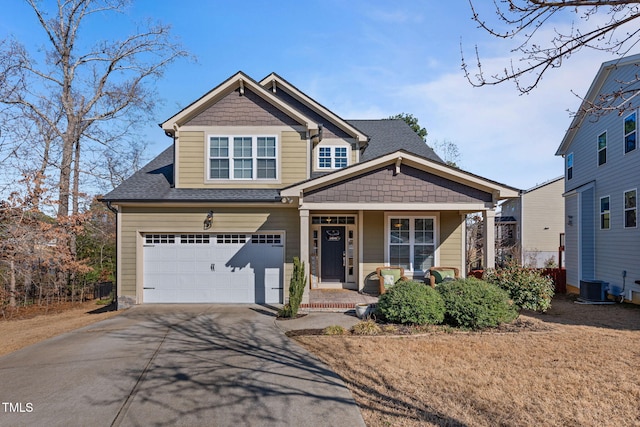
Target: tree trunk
column 12, row 284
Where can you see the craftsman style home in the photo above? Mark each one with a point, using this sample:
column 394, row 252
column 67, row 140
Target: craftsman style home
column 602, row 164
column 258, row 173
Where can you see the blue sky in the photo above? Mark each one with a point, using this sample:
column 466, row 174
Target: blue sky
column 364, row 60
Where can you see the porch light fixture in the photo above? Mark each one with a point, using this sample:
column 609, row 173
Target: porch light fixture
column 208, row 220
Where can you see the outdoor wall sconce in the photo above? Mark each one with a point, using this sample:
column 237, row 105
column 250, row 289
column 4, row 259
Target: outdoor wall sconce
column 208, row 220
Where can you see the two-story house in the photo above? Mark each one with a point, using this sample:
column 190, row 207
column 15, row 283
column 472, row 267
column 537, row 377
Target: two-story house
column 530, row 228
column 602, row 175
column 258, row 173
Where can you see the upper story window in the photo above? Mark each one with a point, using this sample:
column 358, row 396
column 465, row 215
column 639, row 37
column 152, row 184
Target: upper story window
column 242, row 157
column 602, row 148
column 569, row 166
column 333, row 157
column 630, row 208
column 605, row 217
column 630, row 131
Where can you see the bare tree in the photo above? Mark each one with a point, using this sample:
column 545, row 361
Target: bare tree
column 78, row 95
column 543, row 40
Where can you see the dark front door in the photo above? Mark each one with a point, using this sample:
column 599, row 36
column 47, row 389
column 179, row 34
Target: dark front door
column 332, row 254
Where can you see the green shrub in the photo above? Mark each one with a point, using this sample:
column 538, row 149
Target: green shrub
column 411, row 303
column 476, row 304
column 296, row 288
column 366, row 327
column 528, row 288
column 334, row 330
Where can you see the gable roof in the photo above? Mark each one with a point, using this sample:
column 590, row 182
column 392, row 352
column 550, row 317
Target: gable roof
column 435, row 167
column 594, row 90
column 237, row 81
column 273, row 83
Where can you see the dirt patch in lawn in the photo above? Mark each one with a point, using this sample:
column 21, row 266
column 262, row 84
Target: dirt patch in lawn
column 573, row 366
column 33, row 324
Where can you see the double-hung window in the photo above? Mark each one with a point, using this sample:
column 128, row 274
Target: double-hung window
column 243, row 157
column 569, row 166
column 605, row 214
column 630, row 208
column 333, row 157
column 602, row 148
column 411, row 242
column 630, row 132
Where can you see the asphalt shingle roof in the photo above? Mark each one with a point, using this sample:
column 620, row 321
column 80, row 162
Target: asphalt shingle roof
column 154, row 182
column 390, row 135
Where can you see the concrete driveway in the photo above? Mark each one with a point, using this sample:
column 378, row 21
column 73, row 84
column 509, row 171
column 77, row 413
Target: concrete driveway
column 173, row 365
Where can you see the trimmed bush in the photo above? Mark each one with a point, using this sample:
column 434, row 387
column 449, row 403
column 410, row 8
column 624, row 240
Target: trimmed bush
column 476, row 304
column 411, row 303
column 528, row 288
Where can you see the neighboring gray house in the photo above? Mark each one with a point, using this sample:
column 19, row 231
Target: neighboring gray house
column 602, row 176
column 531, row 228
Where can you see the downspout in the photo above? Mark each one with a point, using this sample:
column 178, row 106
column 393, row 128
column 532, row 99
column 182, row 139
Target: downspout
column 115, row 289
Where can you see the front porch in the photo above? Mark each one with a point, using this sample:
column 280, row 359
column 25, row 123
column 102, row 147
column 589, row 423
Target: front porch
column 336, row 299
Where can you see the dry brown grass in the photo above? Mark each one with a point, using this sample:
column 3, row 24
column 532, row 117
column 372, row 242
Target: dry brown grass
column 577, row 365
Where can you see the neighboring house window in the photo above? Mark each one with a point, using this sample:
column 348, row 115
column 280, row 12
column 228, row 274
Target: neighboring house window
column 569, row 165
column 242, row 157
column 333, row 157
column 602, row 148
column 630, row 208
column 630, row 131
column 412, row 242
column 604, row 213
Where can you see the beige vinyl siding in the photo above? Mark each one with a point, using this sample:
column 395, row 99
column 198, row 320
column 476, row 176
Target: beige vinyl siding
column 192, row 161
column 137, row 220
column 294, row 163
column 451, row 240
column 373, row 241
column 543, row 219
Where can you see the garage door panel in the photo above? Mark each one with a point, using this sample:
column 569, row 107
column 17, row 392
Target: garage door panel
column 218, row 268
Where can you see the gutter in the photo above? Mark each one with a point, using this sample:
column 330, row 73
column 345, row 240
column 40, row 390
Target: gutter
column 115, row 289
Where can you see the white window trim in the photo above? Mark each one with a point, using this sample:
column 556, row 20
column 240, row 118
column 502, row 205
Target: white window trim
column 254, row 158
column 413, row 215
column 624, row 134
column 566, row 166
column 598, row 149
column 624, row 208
column 332, row 148
column 602, row 213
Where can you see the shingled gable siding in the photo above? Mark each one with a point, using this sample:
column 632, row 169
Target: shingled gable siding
column 242, row 110
column 411, row 185
column 329, row 130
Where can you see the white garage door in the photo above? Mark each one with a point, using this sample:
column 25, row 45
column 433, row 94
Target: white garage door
column 213, row 268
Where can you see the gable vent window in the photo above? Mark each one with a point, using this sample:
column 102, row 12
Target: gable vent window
column 155, row 239
column 630, row 132
column 194, row 238
column 602, row 149
column 243, row 158
column 333, row 157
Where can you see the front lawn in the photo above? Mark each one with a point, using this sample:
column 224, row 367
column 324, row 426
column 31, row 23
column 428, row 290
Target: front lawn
column 576, row 365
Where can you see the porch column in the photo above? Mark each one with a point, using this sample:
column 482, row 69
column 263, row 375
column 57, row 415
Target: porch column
column 489, row 233
column 304, row 250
